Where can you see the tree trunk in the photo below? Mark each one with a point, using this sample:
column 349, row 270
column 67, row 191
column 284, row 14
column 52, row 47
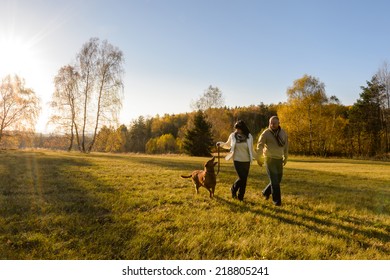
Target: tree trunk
column 310, row 132
column 71, row 138
column 84, row 124
column 97, row 115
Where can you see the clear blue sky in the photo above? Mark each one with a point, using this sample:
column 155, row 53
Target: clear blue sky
column 174, row 49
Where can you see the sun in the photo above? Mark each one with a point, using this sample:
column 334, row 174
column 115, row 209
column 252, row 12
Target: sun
column 16, row 57
column 21, row 57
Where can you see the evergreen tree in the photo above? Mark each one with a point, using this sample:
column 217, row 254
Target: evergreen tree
column 366, row 114
column 199, row 140
column 138, row 135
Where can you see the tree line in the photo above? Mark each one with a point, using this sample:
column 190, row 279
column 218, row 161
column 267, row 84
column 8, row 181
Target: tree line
column 88, row 95
column 317, row 124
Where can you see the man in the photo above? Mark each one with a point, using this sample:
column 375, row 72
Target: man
column 273, row 144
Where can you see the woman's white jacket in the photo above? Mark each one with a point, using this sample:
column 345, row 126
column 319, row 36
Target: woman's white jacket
column 231, row 143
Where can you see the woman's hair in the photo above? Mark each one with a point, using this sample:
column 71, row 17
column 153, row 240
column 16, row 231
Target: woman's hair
column 241, row 125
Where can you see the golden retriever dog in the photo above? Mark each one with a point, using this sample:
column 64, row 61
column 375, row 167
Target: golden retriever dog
column 204, row 178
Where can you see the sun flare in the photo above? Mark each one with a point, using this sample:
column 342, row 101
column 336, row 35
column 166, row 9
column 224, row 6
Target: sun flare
column 16, row 57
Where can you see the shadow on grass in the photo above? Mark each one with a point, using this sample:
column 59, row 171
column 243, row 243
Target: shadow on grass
column 345, row 190
column 368, row 234
column 170, row 162
column 183, row 166
column 338, row 160
column 54, row 208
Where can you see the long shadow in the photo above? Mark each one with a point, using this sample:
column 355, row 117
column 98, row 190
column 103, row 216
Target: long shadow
column 366, row 233
column 172, row 163
column 55, row 209
column 345, row 190
column 295, row 182
column 336, row 160
column 333, row 190
column 183, row 167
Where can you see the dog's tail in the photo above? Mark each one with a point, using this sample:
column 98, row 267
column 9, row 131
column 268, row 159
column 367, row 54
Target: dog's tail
column 186, row 176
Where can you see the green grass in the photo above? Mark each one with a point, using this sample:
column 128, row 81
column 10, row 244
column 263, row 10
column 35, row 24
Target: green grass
column 57, row 205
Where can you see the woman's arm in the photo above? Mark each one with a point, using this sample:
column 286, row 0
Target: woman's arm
column 226, row 145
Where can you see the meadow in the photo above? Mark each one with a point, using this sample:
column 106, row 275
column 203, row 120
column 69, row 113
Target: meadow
column 58, row 205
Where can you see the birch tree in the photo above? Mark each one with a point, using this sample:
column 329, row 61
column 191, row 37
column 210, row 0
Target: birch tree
column 19, row 106
column 109, row 84
column 86, row 63
column 211, row 98
column 65, row 102
column 97, row 89
column 383, row 76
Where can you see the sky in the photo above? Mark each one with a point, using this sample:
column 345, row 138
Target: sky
column 175, row 49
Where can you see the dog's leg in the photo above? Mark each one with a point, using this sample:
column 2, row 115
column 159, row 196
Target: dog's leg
column 196, row 185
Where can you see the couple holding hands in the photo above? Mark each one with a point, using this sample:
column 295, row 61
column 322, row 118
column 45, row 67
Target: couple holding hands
column 272, row 144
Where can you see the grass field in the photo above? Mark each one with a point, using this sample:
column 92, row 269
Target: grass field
column 57, row 205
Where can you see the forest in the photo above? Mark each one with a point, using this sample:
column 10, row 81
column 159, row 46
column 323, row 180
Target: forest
column 88, row 95
column 316, row 124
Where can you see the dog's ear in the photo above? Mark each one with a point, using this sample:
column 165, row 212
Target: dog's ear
column 210, row 161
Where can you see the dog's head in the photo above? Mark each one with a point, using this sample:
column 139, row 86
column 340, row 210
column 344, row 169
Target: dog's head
column 209, row 165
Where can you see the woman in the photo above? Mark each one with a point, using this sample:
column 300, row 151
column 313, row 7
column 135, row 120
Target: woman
column 240, row 143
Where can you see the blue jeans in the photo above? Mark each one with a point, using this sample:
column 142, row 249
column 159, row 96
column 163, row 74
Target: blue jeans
column 242, row 169
column 275, row 173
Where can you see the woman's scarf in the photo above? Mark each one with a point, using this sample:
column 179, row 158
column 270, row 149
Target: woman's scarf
column 279, row 139
column 240, row 137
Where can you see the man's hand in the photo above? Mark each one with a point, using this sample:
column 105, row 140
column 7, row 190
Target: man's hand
column 284, row 161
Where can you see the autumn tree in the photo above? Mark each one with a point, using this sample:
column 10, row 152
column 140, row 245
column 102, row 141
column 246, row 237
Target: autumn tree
column 109, row 85
column 335, row 121
column 221, row 122
column 211, row 98
column 138, row 135
column 122, row 137
column 167, row 124
column 383, row 76
column 66, row 103
column 98, row 90
column 255, row 117
column 19, row 106
column 306, row 98
column 164, row 144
